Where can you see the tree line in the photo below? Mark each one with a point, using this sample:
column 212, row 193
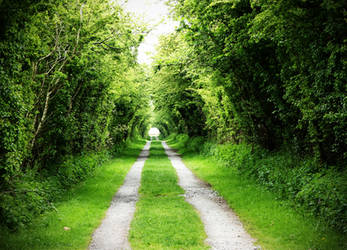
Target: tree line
column 70, row 90
column 267, row 75
column 271, row 73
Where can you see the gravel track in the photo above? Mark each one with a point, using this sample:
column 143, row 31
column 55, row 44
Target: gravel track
column 113, row 231
column 223, row 228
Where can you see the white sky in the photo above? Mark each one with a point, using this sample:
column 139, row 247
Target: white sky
column 154, row 132
column 156, row 14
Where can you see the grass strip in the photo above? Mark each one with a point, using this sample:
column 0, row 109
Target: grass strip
column 81, row 209
column 163, row 219
column 274, row 223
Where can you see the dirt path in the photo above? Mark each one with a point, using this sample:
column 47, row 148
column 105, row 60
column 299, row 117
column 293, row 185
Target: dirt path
column 113, row 231
column 223, row 228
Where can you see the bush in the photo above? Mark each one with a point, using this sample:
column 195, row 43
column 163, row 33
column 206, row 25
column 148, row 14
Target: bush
column 171, row 138
column 76, row 169
column 186, row 143
column 325, row 195
column 26, row 197
column 30, row 194
column 195, row 144
column 230, row 155
column 320, row 190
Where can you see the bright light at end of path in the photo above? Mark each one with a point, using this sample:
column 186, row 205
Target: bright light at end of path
column 154, row 132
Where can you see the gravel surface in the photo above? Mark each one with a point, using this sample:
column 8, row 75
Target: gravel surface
column 113, row 231
column 223, row 228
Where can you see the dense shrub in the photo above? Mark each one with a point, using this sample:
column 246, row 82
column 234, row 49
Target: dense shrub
column 171, row 138
column 69, row 85
column 230, row 154
column 194, row 144
column 186, row 143
column 182, row 139
column 32, row 193
column 325, row 195
column 76, row 169
column 28, row 196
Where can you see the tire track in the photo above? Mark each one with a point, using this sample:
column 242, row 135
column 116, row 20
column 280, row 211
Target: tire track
column 223, row 228
column 113, row 231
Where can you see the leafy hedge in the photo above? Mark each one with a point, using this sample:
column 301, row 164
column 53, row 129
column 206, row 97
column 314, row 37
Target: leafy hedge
column 77, row 169
column 271, row 73
column 28, row 196
column 322, row 192
column 186, row 143
column 70, row 88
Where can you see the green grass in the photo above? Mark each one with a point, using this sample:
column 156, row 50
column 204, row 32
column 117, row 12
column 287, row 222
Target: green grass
column 274, row 223
column 81, row 209
column 163, row 220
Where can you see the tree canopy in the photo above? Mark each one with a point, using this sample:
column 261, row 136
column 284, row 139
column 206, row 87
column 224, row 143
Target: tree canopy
column 70, row 85
column 270, row 73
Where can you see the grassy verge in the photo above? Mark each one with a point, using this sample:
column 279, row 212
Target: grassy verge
column 163, row 220
column 274, row 223
column 81, row 209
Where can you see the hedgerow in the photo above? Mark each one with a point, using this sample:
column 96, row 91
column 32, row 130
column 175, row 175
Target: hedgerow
column 70, row 89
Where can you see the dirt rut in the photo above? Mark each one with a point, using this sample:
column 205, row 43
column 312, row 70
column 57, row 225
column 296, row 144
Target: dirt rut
column 223, row 228
column 113, row 231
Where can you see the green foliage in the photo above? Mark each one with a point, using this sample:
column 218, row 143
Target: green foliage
column 27, row 198
column 31, row 193
column 73, row 170
column 70, row 89
column 185, row 143
column 321, row 192
column 195, row 144
column 270, row 73
column 325, row 195
column 177, row 105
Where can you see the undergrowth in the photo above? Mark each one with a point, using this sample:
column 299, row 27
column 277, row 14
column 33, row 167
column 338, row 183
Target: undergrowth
column 320, row 190
column 33, row 192
column 272, row 222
